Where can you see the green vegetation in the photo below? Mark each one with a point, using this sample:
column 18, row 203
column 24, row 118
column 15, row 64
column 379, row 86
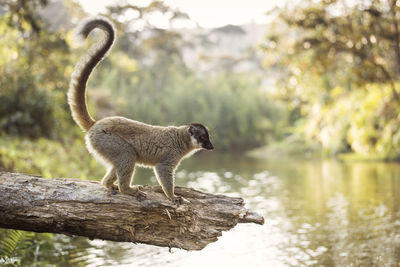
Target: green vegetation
column 21, row 248
column 33, row 82
column 48, row 158
column 340, row 63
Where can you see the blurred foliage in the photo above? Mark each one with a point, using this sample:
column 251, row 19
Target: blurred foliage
column 48, row 158
column 25, row 110
column 339, row 64
column 363, row 121
column 359, row 39
column 138, row 36
column 33, row 74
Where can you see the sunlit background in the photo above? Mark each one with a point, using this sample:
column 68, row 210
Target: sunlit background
column 207, row 13
column 302, row 101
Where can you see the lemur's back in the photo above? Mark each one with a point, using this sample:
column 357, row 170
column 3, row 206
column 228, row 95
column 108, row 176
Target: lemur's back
column 151, row 143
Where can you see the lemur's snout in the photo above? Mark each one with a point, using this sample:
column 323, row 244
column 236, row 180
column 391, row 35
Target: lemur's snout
column 208, row 146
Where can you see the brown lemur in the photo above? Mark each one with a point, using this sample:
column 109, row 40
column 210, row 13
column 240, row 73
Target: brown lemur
column 120, row 143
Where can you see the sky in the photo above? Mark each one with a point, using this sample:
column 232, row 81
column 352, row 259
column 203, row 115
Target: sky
column 207, row 13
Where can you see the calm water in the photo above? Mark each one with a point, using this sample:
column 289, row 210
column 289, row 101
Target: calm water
column 316, row 213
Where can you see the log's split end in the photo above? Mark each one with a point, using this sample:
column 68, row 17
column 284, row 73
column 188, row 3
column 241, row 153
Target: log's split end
column 252, row 217
column 86, row 208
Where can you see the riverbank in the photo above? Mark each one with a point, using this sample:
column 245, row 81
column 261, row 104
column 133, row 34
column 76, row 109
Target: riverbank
column 295, row 147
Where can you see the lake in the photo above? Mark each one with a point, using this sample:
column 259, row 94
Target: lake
column 317, row 212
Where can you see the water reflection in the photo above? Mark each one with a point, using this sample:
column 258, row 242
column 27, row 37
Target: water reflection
column 317, row 213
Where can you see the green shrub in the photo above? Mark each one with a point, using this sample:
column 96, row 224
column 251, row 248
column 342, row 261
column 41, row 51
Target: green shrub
column 25, row 110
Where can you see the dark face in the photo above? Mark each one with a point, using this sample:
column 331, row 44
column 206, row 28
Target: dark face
column 199, row 135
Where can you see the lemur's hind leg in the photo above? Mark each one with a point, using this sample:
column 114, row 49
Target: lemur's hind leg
column 109, row 179
column 121, row 155
column 125, row 169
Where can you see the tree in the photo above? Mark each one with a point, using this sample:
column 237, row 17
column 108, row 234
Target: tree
column 340, row 63
column 353, row 42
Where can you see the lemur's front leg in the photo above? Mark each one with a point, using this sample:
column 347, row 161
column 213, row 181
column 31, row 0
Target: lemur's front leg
column 165, row 175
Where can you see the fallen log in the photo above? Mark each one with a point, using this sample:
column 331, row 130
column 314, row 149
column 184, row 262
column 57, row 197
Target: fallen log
column 86, row 208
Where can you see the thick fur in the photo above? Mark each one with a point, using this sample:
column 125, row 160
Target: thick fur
column 120, row 143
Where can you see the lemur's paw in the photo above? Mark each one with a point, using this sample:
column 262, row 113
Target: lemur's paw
column 134, row 191
column 138, row 192
column 141, row 195
column 111, row 186
column 180, row 200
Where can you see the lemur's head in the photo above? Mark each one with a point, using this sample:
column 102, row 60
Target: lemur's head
column 199, row 136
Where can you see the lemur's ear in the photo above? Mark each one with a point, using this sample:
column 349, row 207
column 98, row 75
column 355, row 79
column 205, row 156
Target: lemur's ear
column 191, row 129
column 197, row 127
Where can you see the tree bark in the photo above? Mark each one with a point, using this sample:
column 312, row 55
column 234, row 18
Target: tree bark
column 86, row 208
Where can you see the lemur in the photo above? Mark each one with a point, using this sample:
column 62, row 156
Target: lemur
column 120, row 143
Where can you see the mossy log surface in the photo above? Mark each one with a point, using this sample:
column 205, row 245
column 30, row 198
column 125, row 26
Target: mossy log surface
column 86, row 208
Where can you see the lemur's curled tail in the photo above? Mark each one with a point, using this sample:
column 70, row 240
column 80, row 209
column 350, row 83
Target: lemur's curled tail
column 85, row 66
